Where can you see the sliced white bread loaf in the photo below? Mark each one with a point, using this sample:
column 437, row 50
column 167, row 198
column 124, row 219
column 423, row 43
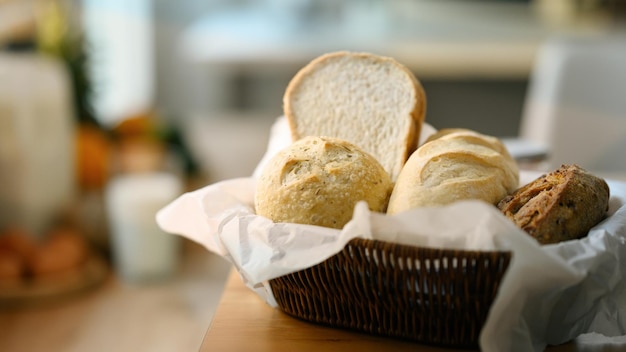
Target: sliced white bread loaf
column 368, row 100
column 455, row 165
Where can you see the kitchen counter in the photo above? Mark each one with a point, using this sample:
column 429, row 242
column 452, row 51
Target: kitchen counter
column 436, row 39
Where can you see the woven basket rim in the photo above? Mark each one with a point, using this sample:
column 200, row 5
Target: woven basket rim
column 443, row 250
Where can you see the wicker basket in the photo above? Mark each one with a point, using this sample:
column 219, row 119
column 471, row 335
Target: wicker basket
column 433, row 296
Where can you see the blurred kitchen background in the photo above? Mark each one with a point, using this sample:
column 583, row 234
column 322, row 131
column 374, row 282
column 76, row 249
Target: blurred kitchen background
column 109, row 109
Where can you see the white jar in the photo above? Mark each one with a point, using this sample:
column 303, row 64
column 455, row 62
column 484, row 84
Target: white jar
column 36, row 141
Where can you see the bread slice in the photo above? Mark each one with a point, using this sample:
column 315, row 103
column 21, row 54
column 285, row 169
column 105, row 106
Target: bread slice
column 371, row 101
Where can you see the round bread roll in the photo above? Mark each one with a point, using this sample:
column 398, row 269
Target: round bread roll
column 318, row 181
column 453, row 165
column 559, row 206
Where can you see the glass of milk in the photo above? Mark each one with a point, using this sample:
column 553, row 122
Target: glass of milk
column 141, row 251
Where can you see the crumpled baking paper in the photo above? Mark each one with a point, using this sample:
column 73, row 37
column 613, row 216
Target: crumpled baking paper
column 549, row 295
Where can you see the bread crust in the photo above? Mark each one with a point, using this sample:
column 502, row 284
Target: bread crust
column 407, row 144
column 455, row 165
column 559, row 206
column 318, row 181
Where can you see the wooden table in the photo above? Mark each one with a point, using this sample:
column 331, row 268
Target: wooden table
column 243, row 322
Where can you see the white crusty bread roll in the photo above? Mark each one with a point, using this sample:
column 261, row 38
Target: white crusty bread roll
column 318, row 181
column 368, row 100
column 455, row 164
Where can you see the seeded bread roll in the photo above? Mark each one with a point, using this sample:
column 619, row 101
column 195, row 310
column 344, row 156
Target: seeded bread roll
column 371, row 101
column 559, row 206
column 453, row 165
column 318, row 181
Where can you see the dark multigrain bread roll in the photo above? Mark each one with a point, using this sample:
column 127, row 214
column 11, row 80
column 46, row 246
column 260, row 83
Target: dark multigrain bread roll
column 559, row 206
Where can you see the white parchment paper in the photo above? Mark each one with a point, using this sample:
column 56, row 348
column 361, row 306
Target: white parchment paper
column 549, row 295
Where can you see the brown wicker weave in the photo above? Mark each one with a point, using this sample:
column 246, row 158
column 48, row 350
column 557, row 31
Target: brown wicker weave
column 434, row 296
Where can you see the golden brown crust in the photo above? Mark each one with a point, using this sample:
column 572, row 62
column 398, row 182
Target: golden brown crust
column 559, row 206
column 318, row 181
column 457, row 165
